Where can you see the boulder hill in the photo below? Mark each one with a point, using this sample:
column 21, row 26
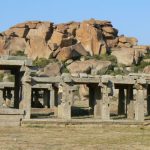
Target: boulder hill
column 73, row 43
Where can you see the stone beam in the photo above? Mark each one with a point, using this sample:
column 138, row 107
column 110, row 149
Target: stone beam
column 42, row 86
column 6, row 85
column 56, row 79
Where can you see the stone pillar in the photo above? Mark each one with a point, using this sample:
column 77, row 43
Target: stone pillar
column 46, row 97
column 91, row 99
column 64, row 104
column 52, row 97
column 12, row 97
column 55, row 96
column 105, row 111
column 97, row 102
column 139, row 106
column 1, row 98
column 148, row 100
column 130, row 103
column 8, row 98
column 35, row 97
column 17, row 88
column 121, row 101
column 26, row 99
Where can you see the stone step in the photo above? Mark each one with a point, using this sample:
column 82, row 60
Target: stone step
column 9, row 123
column 11, row 111
column 10, row 120
column 11, row 117
column 82, row 122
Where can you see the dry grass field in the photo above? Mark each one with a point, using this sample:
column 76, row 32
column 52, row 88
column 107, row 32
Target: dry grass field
column 75, row 138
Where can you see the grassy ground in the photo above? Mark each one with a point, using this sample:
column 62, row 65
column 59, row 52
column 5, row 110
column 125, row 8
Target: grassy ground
column 75, row 138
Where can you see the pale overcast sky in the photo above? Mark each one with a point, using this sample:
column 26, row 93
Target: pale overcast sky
column 131, row 17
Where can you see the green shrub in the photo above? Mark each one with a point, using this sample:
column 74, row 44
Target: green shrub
column 103, row 57
column 115, row 72
column 19, row 53
column 147, row 56
column 11, row 78
column 41, row 62
column 64, row 68
column 1, row 76
column 141, row 66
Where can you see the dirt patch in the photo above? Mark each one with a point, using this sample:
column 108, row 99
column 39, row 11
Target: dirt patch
column 73, row 138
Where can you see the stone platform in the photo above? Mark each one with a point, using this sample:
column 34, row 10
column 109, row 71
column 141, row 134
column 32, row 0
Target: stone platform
column 11, row 117
column 80, row 122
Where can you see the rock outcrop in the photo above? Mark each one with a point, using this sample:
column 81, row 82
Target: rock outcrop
column 89, row 66
column 63, row 41
column 127, row 56
column 75, row 46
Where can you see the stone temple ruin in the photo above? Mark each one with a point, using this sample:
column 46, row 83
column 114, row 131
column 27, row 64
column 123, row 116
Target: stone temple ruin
column 56, row 93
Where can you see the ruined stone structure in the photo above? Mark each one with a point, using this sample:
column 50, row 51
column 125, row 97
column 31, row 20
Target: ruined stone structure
column 57, row 92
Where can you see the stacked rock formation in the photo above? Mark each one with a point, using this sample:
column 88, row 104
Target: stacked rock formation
column 65, row 41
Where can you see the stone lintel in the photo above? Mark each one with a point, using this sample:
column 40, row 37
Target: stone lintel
column 6, row 85
column 85, row 80
column 56, row 79
column 123, row 81
column 42, row 86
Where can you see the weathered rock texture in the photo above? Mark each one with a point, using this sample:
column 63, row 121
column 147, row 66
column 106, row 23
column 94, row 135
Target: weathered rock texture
column 66, row 41
column 89, row 66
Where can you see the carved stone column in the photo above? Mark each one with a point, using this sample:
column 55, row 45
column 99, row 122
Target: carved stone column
column 105, row 110
column 91, row 99
column 64, row 104
column 1, row 98
column 139, row 106
column 121, row 101
column 130, row 103
column 46, row 98
column 97, row 99
column 26, row 99
column 148, row 99
column 26, row 94
column 17, row 88
column 52, row 96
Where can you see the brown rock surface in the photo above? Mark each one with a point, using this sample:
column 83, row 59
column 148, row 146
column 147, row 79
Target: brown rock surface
column 71, row 52
column 126, row 56
column 19, row 32
column 2, row 44
column 88, row 65
column 41, row 39
column 79, row 67
column 146, row 69
column 28, row 24
column 90, row 37
column 112, row 42
column 127, row 41
column 52, row 69
column 37, row 47
column 16, row 44
column 43, row 30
